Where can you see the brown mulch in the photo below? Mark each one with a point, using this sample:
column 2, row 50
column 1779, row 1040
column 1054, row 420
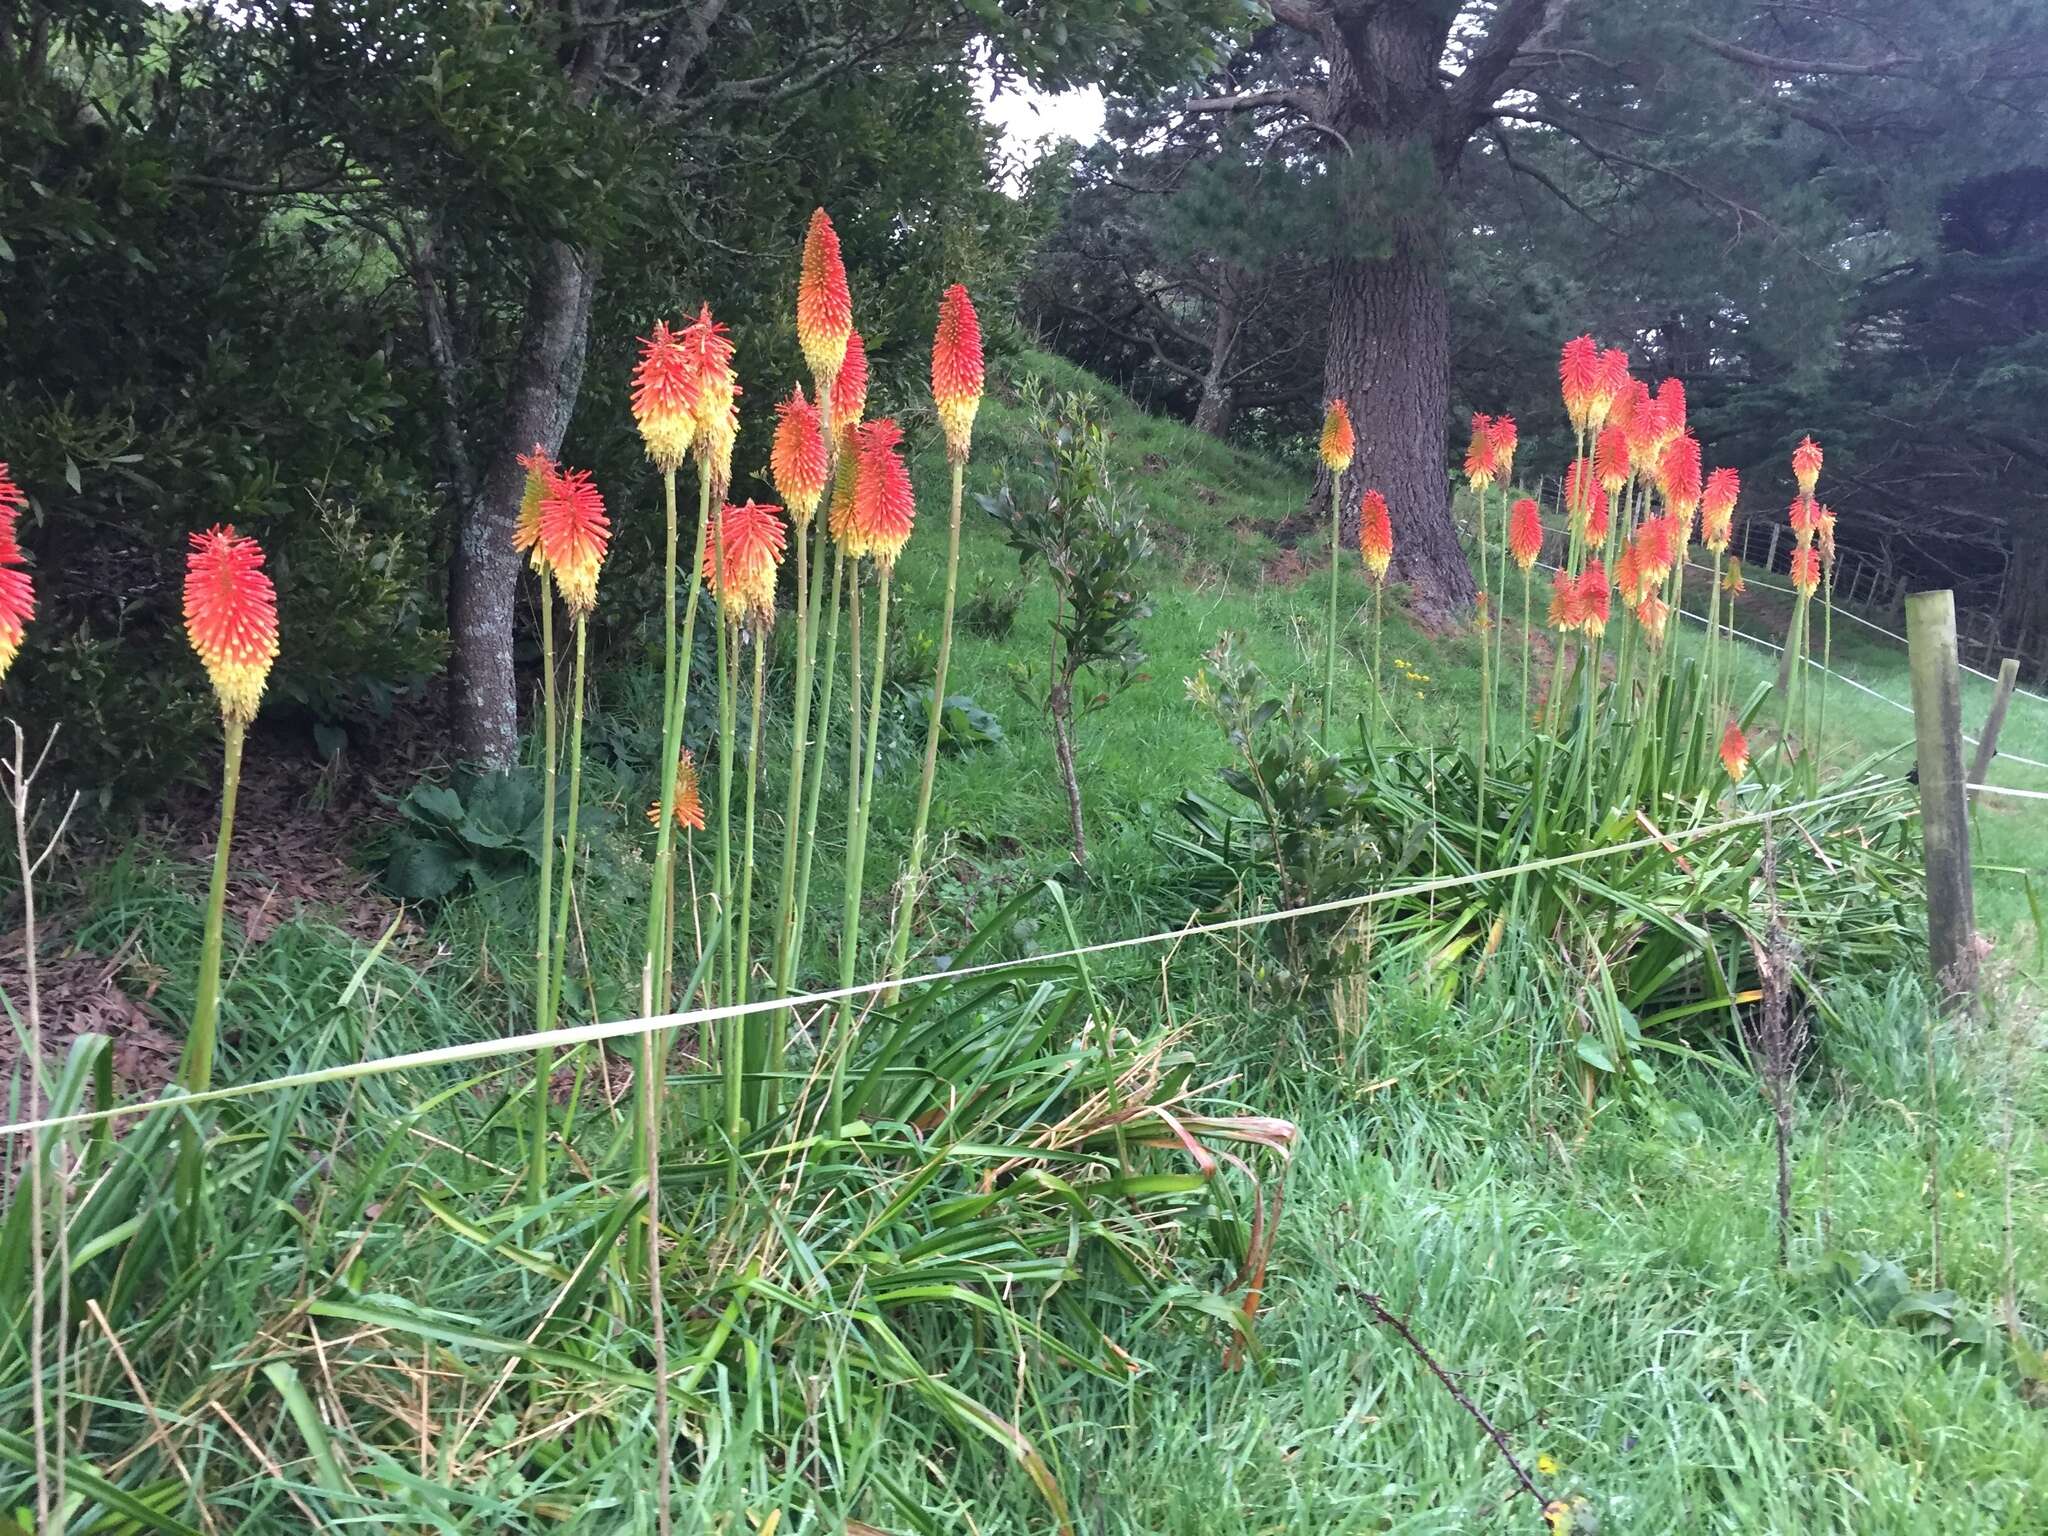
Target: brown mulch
column 298, row 821
column 1288, row 569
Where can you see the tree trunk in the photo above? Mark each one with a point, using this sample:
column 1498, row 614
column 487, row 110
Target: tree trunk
column 1389, row 361
column 546, row 377
column 1214, row 413
column 1061, row 707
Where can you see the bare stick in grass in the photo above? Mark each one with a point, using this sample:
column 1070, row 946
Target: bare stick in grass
column 1778, row 1035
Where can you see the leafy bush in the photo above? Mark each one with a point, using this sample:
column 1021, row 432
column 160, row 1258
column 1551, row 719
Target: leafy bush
column 991, row 608
column 478, row 832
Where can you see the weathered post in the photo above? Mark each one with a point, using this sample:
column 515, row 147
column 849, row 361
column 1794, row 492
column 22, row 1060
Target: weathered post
column 1944, row 813
column 1994, row 721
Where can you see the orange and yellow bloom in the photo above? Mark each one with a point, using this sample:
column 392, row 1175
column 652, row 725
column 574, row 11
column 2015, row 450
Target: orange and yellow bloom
column 740, row 560
column 957, row 370
column 850, row 393
column 1525, row 532
column 798, row 459
column 1479, row 454
column 17, row 591
column 1567, row 613
column 540, row 467
column 824, row 304
column 707, row 351
column 1806, row 459
column 665, row 398
column 573, row 536
column 689, row 808
column 1654, row 614
column 1504, row 436
column 1805, row 570
column 1593, row 598
column 1611, row 458
column 1731, row 579
column 1735, row 752
column 1717, row 508
column 1375, row 534
column 879, row 520
column 1339, row 441
column 1578, row 377
column 231, row 618
column 1610, row 388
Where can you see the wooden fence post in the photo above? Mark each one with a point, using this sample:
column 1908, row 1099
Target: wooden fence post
column 1944, row 813
column 1994, row 721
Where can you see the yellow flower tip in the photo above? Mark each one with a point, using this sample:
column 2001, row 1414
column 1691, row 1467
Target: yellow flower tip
column 1546, row 1465
column 665, row 390
column 231, row 618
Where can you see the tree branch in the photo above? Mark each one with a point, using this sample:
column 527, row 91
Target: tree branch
column 1897, row 64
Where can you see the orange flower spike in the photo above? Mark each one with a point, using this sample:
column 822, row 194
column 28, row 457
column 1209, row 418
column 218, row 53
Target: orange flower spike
column 1593, row 598
column 1678, row 479
column 539, row 466
column 739, row 565
column 665, row 398
column 1479, row 454
column 574, row 534
column 1610, row 387
column 1525, row 533
column 957, row 370
column 1805, row 570
column 17, row 591
column 1340, row 442
column 689, row 809
column 850, row 393
column 824, row 305
column 1731, row 579
column 883, row 506
column 1585, row 499
column 1827, row 536
column 1642, row 421
column 1717, row 508
column 797, row 460
column 1735, row 752
column 1566, row 612
column 846, row 475
column 231, row 618
column 1628, row 575
column 1806, row 465
column 1375, row 535
column 1611, row 459
column 707, row 352
column 1654, row 614
column 1804, row 518
column 1655, row 551
column 1670, row 411
column 1578, row 375
column 1504, row 437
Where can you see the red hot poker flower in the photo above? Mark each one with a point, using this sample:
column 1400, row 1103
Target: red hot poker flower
column 665, row 398
column 1805, row 519
column 1611, row 460
column 824, row 306
column 689, row 800
column 1805, row 570
column 883, row 507
column 1731, row 580
column 1525, row 533
column 1670, row 410
column 707, row 351
column 1479, row 453
column 231, row 618
column 850, row 392
column 1656, row 549
column 1339, row 442
column 1654, row 614
column 1717, row 508
column 1628, row 574
column 1610, row 387
column 1643, row 422
column 1504, row 438
column 17, row 591
column 1735, row 752
column 957, row 370
column 797, row 460
column 1678, row 477
column 1593, row 601
column 1567, row 613
column 1578, row 375
column 1585, row 500
column 1375, row 535
column 574, row 534
column 739, row 565
column 1806, row 459
column 540, row 468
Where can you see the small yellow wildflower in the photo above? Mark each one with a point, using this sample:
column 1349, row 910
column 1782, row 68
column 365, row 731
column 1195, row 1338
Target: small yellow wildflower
column 1546, row 1465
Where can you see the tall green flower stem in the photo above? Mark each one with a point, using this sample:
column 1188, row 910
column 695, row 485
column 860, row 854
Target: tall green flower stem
column 543, row 1061
column 1336, row 559
column 658, row 965
column 755, row 1027
column 849, row 912
column 543, row 975
column 1379, row 594
column 1795, row 681
column 1827, row 649
column 1527, row 724
column 786, row 910
column 817, row 773
column 195, row 1072
column 1485, row 722
column 906, row 903
column 722, row 889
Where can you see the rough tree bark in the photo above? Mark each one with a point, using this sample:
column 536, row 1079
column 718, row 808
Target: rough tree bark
column 1213, row 414
column 1401, row 122
column 483, row 580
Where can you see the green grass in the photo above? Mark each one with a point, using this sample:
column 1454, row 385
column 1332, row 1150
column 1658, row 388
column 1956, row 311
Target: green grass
column 1602, row 1286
